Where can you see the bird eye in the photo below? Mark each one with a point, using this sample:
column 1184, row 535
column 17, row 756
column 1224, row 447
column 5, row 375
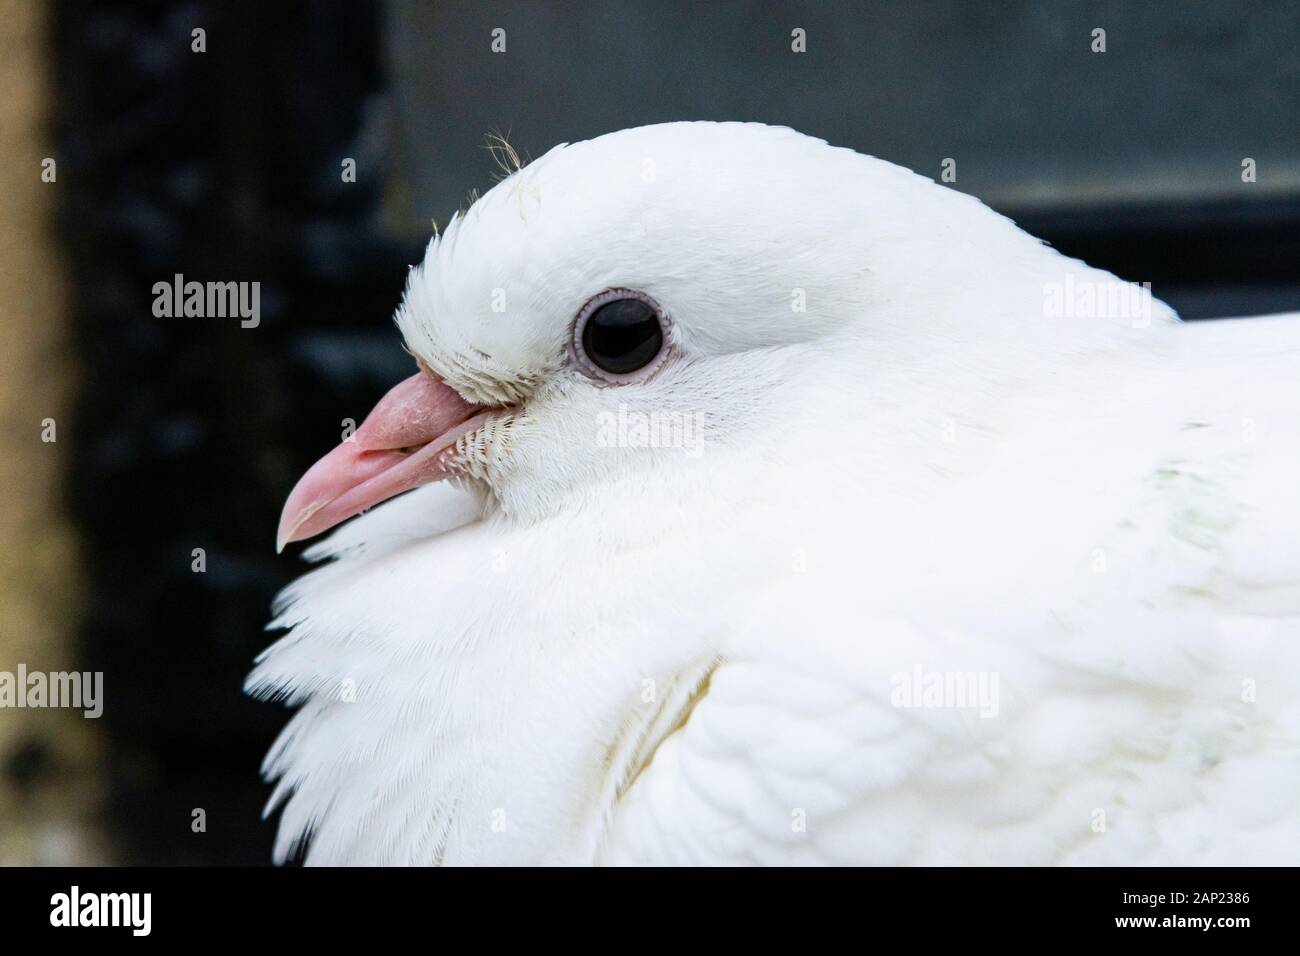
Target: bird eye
column 620, row 332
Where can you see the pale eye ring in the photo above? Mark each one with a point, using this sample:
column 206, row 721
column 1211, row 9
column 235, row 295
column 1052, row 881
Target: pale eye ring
column 621, row 336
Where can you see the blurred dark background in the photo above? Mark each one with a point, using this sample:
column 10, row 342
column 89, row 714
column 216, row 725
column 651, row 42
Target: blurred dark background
column 226, row 165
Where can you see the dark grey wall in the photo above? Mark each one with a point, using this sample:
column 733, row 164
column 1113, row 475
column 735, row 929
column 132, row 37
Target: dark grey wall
column 1011, row 90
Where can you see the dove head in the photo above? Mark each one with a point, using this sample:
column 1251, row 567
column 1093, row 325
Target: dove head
column 630, row 301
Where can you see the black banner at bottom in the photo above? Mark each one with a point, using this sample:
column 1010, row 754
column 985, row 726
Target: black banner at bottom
column 335, row 906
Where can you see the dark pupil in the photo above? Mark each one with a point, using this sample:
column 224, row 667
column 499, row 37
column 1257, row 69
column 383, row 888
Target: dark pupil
column 622, row 336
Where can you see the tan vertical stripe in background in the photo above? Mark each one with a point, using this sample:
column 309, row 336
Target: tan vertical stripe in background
column 48, row 779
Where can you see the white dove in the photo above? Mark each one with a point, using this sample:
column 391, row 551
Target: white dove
column 802, row 511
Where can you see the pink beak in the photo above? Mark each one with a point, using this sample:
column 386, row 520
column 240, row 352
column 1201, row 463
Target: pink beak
column 399, row 446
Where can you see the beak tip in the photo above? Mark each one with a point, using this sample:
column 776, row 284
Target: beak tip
column 287, row 533
column 295, row 522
